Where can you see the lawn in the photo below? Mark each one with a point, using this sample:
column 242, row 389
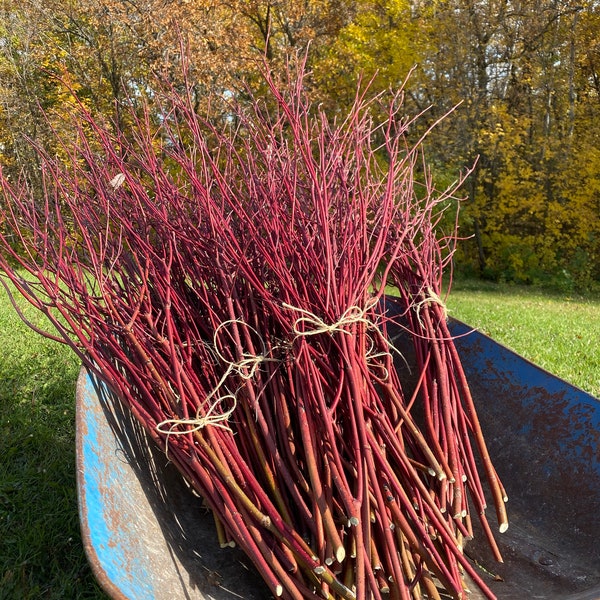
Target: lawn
column 559, row 333
column 41, row 553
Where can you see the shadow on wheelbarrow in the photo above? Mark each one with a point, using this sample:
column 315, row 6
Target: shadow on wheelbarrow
column 148, row 537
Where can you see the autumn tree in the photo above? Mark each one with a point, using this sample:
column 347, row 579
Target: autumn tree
column 111, row 52
column 523, row 78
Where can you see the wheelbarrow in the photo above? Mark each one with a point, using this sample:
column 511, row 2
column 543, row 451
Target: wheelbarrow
column 148, row 537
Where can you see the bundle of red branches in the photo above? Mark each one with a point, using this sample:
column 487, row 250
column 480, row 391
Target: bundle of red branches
column 229, row 285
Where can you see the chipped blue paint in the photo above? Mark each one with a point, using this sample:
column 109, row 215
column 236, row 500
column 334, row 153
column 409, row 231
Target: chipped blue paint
column 109, row 537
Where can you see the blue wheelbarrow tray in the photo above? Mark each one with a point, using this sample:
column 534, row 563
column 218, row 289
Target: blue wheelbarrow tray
column 148, row 537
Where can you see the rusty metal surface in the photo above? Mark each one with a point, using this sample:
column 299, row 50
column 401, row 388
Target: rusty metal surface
column 544, row 437
column 148, row 537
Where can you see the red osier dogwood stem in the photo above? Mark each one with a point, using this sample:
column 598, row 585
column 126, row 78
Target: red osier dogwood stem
column 230, row 287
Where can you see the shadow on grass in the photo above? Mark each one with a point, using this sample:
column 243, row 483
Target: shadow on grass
column 41, row 553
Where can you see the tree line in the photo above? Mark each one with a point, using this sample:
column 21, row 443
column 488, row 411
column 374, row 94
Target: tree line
column 519, row 79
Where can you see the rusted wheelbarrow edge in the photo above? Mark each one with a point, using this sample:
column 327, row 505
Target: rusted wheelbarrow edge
column 146, row 536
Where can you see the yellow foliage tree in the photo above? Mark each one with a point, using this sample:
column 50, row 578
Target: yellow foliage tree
column 522, row 80
column 525, row 81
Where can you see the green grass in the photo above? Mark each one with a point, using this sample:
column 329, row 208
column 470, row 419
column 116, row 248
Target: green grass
column 41, row 553
column 557, row 332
